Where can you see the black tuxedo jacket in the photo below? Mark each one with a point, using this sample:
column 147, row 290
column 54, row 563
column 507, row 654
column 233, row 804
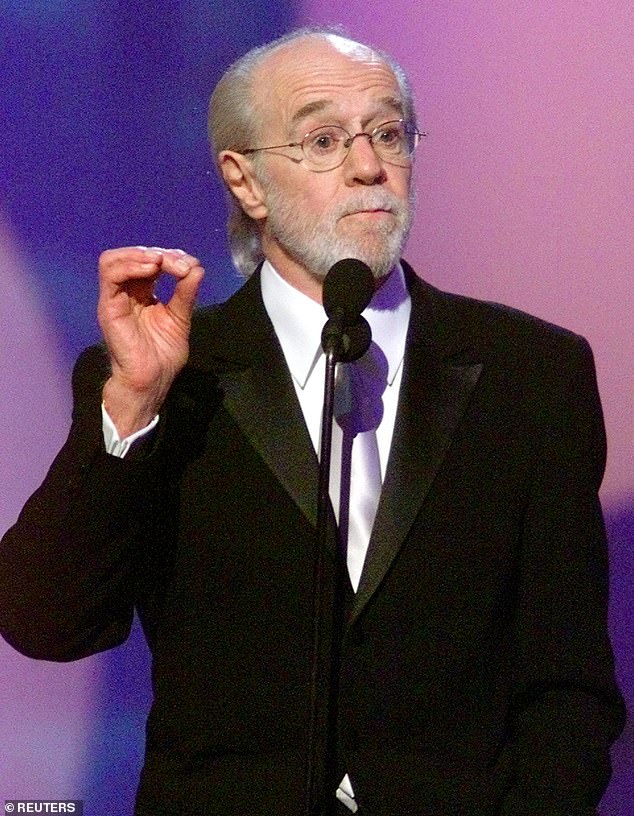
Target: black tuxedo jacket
column 476, row 672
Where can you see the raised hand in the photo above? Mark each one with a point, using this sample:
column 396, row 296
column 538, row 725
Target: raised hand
column 148, row 341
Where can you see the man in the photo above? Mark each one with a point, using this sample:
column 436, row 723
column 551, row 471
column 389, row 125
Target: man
column 476, row 675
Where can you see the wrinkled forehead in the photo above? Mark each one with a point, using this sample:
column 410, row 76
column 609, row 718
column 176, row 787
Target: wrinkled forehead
column 332, row 72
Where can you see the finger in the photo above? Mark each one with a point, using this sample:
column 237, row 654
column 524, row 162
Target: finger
column 117, row 266
column 183, row 299
column 139, row 254
column 178, row 263
column 134, row 270
column 173, row 258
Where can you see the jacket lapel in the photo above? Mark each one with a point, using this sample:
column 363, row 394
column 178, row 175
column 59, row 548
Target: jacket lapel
column 438, row 381
column 236, row 342
column 239, row 344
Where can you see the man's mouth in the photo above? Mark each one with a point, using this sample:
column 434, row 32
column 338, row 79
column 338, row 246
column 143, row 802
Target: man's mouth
column 378, row 211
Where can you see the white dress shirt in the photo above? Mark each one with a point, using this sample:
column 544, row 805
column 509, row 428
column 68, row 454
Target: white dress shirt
column 298, row 321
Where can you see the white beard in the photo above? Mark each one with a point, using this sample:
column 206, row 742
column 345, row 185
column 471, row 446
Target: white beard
column 314, row 243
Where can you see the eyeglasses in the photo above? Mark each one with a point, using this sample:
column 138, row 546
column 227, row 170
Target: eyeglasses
column 327, row 147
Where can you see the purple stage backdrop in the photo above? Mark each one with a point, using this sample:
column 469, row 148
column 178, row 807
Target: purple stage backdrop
column 525, row 196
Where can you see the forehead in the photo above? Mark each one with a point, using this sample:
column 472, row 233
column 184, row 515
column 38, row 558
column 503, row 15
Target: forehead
column 317, row 77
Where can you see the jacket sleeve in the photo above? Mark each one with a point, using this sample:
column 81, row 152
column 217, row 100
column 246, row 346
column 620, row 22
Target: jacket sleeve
column 566, row 708
column 67, row 567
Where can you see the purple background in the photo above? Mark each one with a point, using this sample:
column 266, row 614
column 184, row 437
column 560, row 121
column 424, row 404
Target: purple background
column 525, row 196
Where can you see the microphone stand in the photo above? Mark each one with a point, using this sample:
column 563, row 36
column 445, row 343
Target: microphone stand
column 321, row 763
column 341, row 343
column 347, row 290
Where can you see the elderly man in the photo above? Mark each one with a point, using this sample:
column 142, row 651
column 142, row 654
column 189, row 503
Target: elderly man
column 475, row 672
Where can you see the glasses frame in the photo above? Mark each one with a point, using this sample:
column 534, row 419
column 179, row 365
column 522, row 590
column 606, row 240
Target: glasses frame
column 347, row 143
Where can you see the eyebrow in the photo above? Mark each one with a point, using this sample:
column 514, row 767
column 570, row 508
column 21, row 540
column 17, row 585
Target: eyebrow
column 309, row 109
column 320, row 105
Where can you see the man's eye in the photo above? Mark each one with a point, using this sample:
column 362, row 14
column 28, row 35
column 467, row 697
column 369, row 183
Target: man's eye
column 389, row 137
column 323, row 142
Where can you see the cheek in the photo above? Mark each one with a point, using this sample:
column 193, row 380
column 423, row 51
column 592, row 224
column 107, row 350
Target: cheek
column 400, row 184
column 319, row 193
column 292, row 191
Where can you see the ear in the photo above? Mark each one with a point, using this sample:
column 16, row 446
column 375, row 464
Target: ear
column 239, row 177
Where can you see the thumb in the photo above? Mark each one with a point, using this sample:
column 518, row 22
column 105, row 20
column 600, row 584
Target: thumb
column 183, row 299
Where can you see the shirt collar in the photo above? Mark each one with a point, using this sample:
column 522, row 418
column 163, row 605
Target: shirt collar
column 298, row 321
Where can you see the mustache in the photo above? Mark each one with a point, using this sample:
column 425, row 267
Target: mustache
column 369, row 200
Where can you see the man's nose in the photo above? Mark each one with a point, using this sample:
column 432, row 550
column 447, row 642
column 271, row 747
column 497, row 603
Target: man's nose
column 362, row 165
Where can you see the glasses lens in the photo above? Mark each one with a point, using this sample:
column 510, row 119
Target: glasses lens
column 324, row 147
column 394, row 142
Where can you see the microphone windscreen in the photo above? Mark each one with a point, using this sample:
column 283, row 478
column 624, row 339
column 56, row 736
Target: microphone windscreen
column 348, row 286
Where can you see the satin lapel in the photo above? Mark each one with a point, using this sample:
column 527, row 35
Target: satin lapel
column 241, row 347
column 258, row 400
column 435, row 391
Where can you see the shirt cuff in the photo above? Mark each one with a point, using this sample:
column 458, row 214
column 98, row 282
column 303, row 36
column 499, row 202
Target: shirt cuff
column 114, row 444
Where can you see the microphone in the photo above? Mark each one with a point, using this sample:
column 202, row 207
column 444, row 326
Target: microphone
column 347, row 290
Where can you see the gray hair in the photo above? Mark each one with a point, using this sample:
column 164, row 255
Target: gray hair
column 233, row 124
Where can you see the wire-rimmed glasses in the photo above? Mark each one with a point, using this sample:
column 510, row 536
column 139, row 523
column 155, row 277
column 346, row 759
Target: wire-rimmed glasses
column 326, row 147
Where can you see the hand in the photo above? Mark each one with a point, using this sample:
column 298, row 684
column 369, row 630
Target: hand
column 148, row 341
